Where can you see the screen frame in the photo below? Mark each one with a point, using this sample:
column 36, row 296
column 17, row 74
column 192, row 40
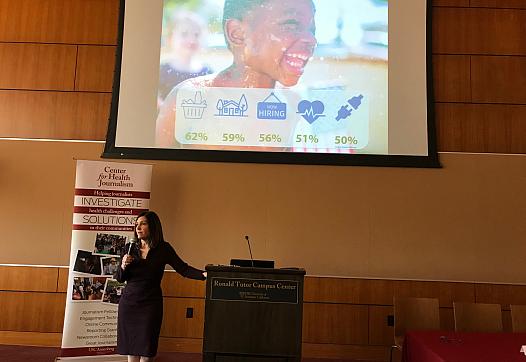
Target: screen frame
column 430, row 161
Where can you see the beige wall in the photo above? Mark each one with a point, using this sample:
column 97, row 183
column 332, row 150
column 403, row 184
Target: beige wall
column 465, row 222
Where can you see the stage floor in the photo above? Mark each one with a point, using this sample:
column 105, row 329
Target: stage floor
column 48, row 354
column 10, row 353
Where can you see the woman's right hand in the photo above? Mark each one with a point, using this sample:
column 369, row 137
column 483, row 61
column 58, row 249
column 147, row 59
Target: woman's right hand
column 126, row 260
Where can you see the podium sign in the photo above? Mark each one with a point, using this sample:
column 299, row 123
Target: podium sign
column 255, row 290
column 253, row 314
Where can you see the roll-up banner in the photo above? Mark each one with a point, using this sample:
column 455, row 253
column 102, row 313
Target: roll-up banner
column 108, row 198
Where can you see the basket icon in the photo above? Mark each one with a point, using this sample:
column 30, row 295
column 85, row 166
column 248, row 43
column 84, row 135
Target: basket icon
column 194, row 108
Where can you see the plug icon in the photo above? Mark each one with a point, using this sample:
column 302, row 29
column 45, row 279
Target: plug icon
column 345, row 111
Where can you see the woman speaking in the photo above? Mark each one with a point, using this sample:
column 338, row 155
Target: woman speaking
column 141, row 304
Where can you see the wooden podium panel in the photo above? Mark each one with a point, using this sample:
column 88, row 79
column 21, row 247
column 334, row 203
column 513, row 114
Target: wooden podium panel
column 253, row 314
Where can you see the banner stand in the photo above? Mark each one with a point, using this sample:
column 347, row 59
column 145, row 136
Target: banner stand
column 108, row 198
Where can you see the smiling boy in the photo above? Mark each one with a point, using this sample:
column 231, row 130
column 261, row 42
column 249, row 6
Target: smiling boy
column 271, row 41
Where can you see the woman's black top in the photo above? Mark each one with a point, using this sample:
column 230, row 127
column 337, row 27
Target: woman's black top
column 141, row 304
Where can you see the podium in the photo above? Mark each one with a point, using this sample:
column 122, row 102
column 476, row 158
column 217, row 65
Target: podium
column 253, row 314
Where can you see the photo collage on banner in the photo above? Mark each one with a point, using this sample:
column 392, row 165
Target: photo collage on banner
column 108, row 198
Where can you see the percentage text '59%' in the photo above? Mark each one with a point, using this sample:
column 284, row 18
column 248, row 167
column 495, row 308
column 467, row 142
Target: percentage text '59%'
column 233, row 137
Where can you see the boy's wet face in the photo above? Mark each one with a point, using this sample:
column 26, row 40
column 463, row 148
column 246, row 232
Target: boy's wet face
column 279, row 39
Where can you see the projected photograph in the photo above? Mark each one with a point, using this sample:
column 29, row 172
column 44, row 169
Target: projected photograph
column 343, row 82
column 273, row 75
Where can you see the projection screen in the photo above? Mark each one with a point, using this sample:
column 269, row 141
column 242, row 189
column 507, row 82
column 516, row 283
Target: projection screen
column 345, row 82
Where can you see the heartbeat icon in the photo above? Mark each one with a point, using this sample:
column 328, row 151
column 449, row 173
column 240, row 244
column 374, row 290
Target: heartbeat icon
column 311, row 111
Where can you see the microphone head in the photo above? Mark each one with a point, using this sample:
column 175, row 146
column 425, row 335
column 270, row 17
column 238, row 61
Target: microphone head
column 246, row 237
column 133, row 241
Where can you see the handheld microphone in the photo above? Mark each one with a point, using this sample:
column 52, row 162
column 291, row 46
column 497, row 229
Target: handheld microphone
column 133, row 240
column 250, row 250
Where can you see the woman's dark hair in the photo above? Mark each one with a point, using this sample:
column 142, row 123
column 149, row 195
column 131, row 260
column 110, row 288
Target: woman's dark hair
column 154, row 225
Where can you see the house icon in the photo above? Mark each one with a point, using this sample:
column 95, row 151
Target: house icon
column 230, row 108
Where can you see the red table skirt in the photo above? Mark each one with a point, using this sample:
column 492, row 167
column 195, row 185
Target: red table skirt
column 447, row 346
